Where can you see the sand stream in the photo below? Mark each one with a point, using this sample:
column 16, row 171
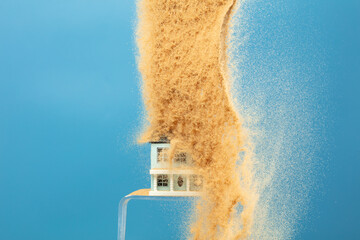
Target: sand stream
column 183, row 63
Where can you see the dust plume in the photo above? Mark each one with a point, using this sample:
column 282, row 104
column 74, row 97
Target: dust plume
column 183, row 63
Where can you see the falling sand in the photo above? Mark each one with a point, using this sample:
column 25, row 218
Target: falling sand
column 186, row 89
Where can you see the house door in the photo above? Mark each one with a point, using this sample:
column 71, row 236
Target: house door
column 179, row 183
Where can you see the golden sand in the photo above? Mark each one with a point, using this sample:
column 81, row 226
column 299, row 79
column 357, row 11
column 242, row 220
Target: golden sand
column 141, row 192
column 183, row 62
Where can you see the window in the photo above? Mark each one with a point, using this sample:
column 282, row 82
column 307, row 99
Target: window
column 162, row 155
column 196, row 183
column 197, row 180
column 180, row 157
column 162, row 180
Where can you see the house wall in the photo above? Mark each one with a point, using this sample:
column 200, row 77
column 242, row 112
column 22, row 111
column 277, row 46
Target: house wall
column 156, row 164
column 188, row 188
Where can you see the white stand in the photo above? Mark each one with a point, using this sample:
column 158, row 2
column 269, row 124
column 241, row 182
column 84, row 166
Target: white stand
column 142, row 194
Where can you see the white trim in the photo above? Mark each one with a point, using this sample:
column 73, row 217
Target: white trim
column 155, row 182
column 171, row 182
column 175, row 193
column 188, row 183
column 171, row 171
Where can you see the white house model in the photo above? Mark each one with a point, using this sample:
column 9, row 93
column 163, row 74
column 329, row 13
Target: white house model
column 174, row 178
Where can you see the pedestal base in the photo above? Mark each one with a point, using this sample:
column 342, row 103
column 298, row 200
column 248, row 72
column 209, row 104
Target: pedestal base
column 144, row 194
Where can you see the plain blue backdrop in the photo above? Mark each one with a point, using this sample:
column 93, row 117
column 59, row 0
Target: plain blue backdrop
column 70, row 107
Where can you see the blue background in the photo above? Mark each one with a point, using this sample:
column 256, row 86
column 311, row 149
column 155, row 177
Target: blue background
column 70, row 109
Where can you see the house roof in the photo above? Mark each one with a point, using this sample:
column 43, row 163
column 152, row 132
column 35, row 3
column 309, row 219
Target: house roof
column 161, row 140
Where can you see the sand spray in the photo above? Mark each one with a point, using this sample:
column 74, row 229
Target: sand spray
column 183, row 63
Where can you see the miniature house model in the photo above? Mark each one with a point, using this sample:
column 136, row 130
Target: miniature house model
column 174, row 178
